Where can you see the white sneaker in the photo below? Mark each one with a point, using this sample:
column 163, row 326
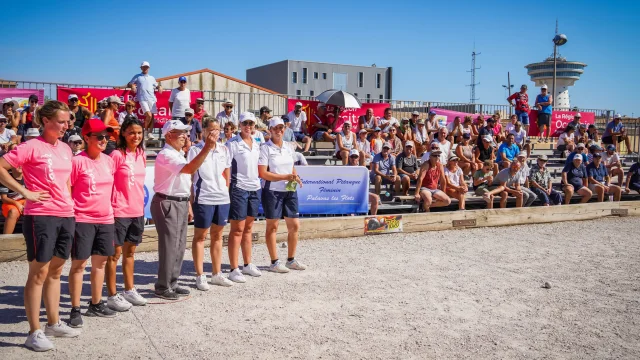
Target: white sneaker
column 251, row 270
column 296, row 265
column 134, row 298
column 60, row 330
column 220, row 280
column 150, row 136
column 118, row 303
column 201, row 283
column 236, row 276
column 37, row 341
column 278, row 267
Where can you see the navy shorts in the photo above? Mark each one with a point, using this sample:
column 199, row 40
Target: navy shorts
column 129, row 230
column 576, row 183
column 299, row 136
column 279, row 204
column 523, row 117
column 93, row 239
column 243, row 203
column 206, row 215
column 48, row 236
column 609, row 140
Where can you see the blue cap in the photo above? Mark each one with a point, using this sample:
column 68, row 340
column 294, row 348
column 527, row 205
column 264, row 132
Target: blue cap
column 611, row 147
column 376, row 129
column 182, row 78
column 431, row 112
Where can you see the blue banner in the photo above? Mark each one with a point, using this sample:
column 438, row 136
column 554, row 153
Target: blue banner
column 333, row 190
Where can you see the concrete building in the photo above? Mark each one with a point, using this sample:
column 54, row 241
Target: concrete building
column 309, row 79
column 567, row 73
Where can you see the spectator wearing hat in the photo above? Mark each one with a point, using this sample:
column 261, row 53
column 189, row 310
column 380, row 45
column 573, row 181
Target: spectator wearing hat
column 199, row 111
column 227, row 114
column 581, row 134
column 507, row 152
column 464, row 152
column 575, row 180
column 405, row 131
column 129, row 107
column 576, row 120
column 376, row 142
column 456, row 186
column 592, row 133
column 29, row 114
column 180, row 100
column 431, row 124
column 599, row 180
column 413, row 120
column 566, row 140
column 486, row 130
column 7, row 136
column 541, row 185
column 615, row 133
column 31, row 134
column 394, row 141
column 440, row 138
column 522, row 105
column 509, row 180
column 265, row 115
column 322, row 126
column 374, row 199
column 407, row 166
column 75, row 143
column 383, row 169
column 195, row 135
column 10, row 112
column 611, row 161
column 364, row 147
column 486, row 152
column 298, row 123
column 387, row 122
column 432, row 183
column 170, row 207
column 421, row 137
column 72, row 129
column 528, row 196
column 633, row 178
column 592, row 149
column 578, row 151
column 483, row 183
column 544, row 105
column 144, row 86
column 368, row 121
column 345, row 141
column 109, row 119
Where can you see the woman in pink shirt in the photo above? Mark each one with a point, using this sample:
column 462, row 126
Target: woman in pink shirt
column 128, row 208
column 48, row 219
column 91, row 187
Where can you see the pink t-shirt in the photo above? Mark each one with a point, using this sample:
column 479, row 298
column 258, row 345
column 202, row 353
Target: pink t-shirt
column 128, row 187
column 497, row 127
column 45, row 167
column 91, row 185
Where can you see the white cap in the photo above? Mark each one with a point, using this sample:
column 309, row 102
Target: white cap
column 145, row 63
column 298, row 103
column 10, row 100
column 386, row 145
column 227, row 101
column 577, row 115
column 415, row 113
column 354, row 152
column 617, row 116
column 72, row 96
column 190, row 111
column 73, row 137
column 3, row 117
column 174, row 125
column 321, row 105
column 522, row 154
column 247, row 116
column 544, row 86
column 35, row 132
column 275, row 121
column 114, row 99
column 577, row 157
column 409, row 143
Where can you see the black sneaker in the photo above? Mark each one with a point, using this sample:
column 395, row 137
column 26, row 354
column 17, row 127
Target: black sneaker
column 182, row 291
column 75, row 318
column 99, row 310
column 167, row 295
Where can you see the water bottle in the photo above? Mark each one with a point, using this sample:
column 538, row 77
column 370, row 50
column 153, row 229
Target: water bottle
column 610, row 197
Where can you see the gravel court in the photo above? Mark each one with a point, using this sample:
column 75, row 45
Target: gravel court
column 474, row 293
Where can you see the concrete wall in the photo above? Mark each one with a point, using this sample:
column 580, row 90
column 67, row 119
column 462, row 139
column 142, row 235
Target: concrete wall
column 270, row 76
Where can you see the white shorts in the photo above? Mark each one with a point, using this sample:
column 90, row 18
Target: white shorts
column 148, row 106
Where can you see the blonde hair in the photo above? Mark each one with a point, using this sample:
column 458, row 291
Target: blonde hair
column 49, row 110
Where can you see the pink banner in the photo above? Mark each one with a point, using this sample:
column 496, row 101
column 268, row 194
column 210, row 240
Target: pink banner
column 559, row 121
column 446, row 116
column 22, row 95
column 352, row 115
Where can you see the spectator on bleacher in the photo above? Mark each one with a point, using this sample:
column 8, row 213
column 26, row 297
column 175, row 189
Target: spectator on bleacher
column 633, row 178
column 9, row 111
column 432, row 183
column 12, row 202
column 575, row 180
column 227, row 114
column 179, row 100
column 520, row 138
column 376, row 142
column 102, row 104
column 455, row 130
column 486, row 152
column 544, row 105
column 566, row 140
column 405, row 131
column 31, row 133
column 200, row 112
column 509, row 180
column 507, row 152
column 592, row 149
column 581, row 134
column 467, row 127
column 345, row 141
column 421, row 137
column 576, row 120
column 444, row 145
column 413, row 121
column 498, row 132
column 368, row 122
column 387, row 122
column 298, row 124
column 541, row 185
column 80, row 113
column 407, row 166
column 456, row 186
column 130, row 107
column 615, row 133
column 261, row 132
column 322, row 126
column 513, row 119
column 395, row 141
column 592, row 133
column 109, row 119
column 487, row 130
column 432, row 124
column 72, row 129
column 384, row 171
column 528, row 196
column 7, row 136
column 579, row 150
column 264, row 116
column 27, row 116
column 483, row 183
column 374, row 199
column 229, row 132
column 611, row 160
column 364, row 147
column 195, row 134
column 144, row 86
column 600, row 181
column 477, row 126
column 522, row 105
column 288, row 133
column 464, row 152
column 76, row 144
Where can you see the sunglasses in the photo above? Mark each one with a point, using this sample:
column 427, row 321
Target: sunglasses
column 100, row 137
column 200, row 102
column 228, row 107
column 3, row 121
column 77, row 143
column 130, row 106
column 73, row 100
column 247, row 123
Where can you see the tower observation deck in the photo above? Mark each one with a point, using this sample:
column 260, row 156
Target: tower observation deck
column 567, row 73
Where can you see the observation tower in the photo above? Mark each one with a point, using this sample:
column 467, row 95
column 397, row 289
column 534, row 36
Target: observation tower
column 567, row 73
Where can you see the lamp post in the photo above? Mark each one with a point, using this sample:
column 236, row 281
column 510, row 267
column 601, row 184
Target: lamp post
column 558, row 40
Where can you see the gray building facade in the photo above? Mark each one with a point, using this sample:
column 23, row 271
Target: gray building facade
column 309, row 79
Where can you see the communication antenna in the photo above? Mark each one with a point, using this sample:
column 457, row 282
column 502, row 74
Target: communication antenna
column 472, row 96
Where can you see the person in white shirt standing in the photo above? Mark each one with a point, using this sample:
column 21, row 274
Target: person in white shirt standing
column 170, row 208
column 144, row 86
column 7, row 136
column 279, row 195
column 210, row 202
column 227, row 115
column 298, row 119
column 180, row 100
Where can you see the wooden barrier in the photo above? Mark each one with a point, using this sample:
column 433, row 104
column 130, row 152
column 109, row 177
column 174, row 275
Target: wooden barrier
column 12, row 247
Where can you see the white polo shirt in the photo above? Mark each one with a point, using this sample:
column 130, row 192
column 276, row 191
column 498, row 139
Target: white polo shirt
column 296, row 122
column 244, row 163
column 181, row 100
column 393, row 121
column 168, row 178
column 279, row 160
column 209, row 186
column 145, row 87
column 6, row 135
column 223, row 118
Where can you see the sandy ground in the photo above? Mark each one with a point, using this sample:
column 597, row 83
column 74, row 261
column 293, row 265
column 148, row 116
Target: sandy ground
column 451, row 294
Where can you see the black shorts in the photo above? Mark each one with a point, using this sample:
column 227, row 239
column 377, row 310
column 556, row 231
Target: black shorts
column 544, row 119
column 279, row 204
column 93, row 239
column 609, row 140
column 129, row 230
column 48, row 236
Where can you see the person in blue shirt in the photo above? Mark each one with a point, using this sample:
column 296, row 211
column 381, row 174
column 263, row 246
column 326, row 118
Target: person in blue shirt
column 633, row 178
column 615, row 133
column 574, row 179
column 144, row 85
column 507, row 152
column 579, row 150
column 599, row 180
column 544, row 102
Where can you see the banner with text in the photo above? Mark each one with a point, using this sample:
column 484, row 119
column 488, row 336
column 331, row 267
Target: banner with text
column 21, row 96
column 447, row 116
column 310, row 107
column 333, row 190
column 559, row 121
column 89, row 98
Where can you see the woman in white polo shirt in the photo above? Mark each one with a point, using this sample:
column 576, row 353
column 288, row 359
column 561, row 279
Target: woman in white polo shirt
column 210, row 202
column 244, row 192
column 275, row 167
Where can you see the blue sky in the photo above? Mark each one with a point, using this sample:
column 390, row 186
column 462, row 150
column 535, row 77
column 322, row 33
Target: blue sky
column 429, row 44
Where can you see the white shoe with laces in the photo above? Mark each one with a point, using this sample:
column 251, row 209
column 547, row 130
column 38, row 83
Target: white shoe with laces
column 60, row 330
column 296, row 265
column 201, row 283
column 251, row 270
column 220, row 280
column 118, row 303
column 236, row 276
column 37, row 341
column 278, row 267
column 134, row 298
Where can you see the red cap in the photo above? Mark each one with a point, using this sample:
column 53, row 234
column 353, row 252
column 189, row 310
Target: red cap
column 94, row 126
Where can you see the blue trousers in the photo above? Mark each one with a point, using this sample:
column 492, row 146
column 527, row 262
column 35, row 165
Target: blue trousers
column 555, row 197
